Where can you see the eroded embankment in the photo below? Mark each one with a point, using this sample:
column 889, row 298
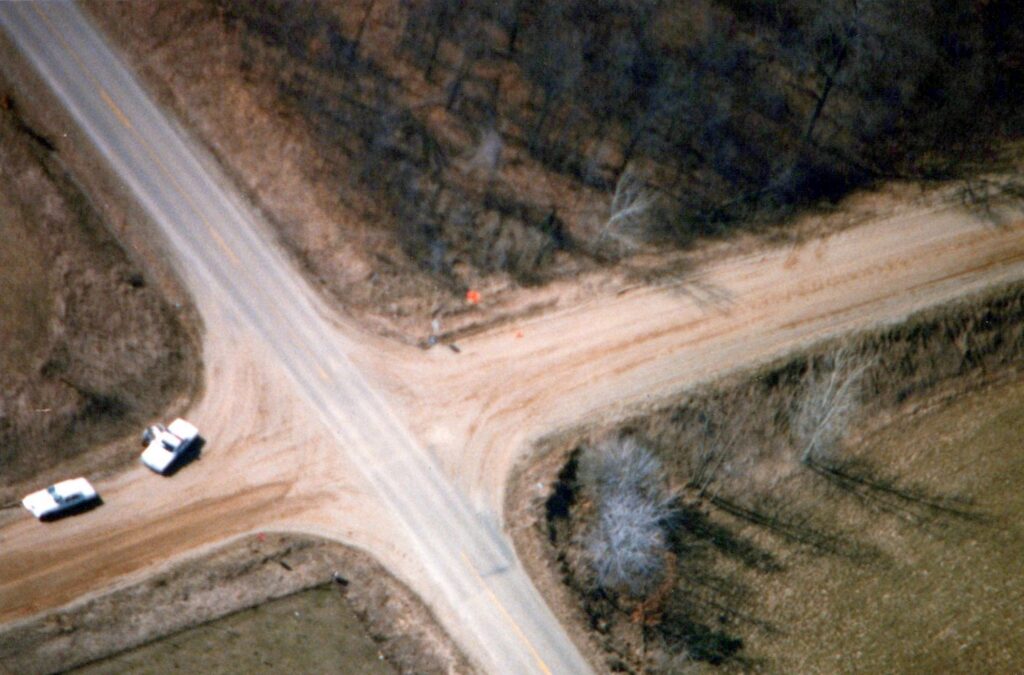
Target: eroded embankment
column 238, row 575
column 758, row 517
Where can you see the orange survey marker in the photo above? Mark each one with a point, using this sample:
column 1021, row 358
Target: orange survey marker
column 472, row 297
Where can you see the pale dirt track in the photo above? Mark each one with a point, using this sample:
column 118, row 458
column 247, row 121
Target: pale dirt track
column 300, row 441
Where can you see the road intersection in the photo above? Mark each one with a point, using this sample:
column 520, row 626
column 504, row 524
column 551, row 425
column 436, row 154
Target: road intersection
column 404, row 453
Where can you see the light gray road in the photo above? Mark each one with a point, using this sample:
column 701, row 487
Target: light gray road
column 229, row 262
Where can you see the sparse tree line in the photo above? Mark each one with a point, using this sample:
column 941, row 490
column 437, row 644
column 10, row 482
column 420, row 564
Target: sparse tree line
column 732, row 106
column 637, row 529
column 693, row 117
column 628, row 542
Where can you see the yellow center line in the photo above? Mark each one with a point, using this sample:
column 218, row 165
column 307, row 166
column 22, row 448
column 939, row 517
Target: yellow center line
column 515, row 626
column 123, row 119
column 223, row 245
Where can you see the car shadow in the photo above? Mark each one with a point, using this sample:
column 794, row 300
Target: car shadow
column 187, row 457
column 73, row 510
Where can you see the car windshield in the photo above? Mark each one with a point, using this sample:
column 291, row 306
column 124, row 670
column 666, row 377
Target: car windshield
column 57, row 497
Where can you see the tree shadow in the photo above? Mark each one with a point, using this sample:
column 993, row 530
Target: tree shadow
column 889, row 494
column 797, row 529
column 997, row 201
column 701, row 615
column 682, row 278
column 688, row 626
column 706, row 295
column 558, row 507
column 696, row 524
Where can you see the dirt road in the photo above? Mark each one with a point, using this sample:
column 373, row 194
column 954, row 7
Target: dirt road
column 314, row 426
column 244, row 284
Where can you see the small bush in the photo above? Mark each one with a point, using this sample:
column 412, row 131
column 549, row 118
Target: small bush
column 831, row 399
column 627, row 543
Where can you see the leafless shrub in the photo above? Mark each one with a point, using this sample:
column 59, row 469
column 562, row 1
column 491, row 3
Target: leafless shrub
column 487, row 155
column 627, row 543
column 630, row 213
column 718, row 444
column 987, row 196
column 830, row 401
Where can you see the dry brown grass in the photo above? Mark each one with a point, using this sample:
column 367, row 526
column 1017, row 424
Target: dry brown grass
column 899, row 554
column 89, row 349
column 240, row 574
column 311, row 631
column 25, row 297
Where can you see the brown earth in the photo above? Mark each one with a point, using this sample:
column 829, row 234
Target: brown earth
column 45, row 216
column 251, row 413
column 288, row 474
column 313, row 630
column 92, row 349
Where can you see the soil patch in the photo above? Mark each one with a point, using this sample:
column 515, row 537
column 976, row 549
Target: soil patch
column 236, row 576
column 893, row 547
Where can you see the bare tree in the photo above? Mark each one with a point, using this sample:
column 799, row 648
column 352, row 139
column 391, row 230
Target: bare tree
column 722, row 435
column 431, row 21
column 831, row 399
column 487, row 155
column 631, row 211
column 627, row 543
column 358, row 39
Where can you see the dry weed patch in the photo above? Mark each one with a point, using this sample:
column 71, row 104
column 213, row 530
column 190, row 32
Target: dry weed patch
column 89, row 349
column 796, row 542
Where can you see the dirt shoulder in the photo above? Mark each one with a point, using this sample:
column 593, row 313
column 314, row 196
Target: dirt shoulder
column 93, row 348
column 772, row 557
column 237, row 575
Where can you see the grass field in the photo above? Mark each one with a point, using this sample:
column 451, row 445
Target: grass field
column 945, row 592
column 312, row 631
column 25, row 294
column 902, row 556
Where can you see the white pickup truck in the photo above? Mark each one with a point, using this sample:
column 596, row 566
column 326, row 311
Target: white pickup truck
column 166, row 445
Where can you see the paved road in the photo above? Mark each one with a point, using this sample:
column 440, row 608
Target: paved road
column 479, row 412
column 230, row 263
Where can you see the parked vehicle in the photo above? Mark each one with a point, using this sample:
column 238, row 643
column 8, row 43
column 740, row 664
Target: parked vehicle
column 166, row 446
column 61, row 498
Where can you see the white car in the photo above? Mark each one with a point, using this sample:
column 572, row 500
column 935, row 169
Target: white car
column 165, row 445
column 60, row 498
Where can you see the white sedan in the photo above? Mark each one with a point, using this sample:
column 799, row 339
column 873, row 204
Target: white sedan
column 166, row 445
column 61, row 497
